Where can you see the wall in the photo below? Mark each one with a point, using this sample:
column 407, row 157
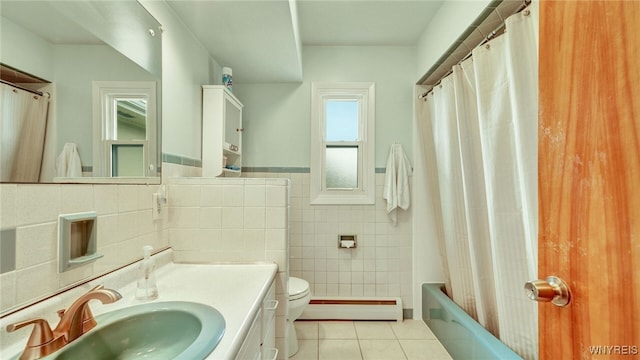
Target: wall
column 379, row 266
column 124, row 211
column 23, row 47
column 208, row 220
column 186, row 66
column 233, row 220
column 76, row 67
column 277, row 123
column 276, row 119
column 124, row 226
column 451, row 20
column 71, row 68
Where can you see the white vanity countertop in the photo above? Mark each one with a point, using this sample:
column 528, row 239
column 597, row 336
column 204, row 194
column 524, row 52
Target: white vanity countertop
column 236, row 290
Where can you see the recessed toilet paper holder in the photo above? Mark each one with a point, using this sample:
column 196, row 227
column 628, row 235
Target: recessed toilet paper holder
column 347, row 241
column 553, row 289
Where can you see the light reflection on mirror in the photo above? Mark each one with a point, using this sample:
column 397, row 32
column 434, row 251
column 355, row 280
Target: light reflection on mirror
column 72, row 44
column 127, row 160
column 131, row 117
column 130, row 125
column 125, row 113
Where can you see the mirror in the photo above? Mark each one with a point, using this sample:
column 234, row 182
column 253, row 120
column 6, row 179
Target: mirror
column 93, row 67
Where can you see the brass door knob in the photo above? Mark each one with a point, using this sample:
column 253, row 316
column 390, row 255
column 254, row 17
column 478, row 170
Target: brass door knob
column 553, row 290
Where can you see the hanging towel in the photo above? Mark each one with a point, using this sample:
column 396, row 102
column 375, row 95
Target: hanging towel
column 396, row 182
column 68, row 163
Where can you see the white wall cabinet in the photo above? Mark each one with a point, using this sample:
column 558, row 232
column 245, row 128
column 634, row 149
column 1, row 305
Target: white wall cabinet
column 221, row 132
column 260, row 343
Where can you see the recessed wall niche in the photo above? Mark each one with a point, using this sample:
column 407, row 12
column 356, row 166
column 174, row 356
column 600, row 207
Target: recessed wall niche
column 77, row 241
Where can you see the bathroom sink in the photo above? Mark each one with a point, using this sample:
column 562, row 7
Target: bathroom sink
column 160, row 330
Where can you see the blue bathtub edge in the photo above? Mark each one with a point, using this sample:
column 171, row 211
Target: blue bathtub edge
column 456, row 314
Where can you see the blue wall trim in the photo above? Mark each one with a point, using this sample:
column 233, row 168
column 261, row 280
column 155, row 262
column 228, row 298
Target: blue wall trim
column 301, row 170
column 181, row 160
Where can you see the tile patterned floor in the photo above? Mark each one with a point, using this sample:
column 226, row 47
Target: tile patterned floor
column 367, row 340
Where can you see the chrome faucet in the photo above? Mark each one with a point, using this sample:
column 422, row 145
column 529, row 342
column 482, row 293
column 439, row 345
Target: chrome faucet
column 74, row 322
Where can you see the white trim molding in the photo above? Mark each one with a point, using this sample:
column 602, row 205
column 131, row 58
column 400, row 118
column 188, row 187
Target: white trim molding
column 364, row 94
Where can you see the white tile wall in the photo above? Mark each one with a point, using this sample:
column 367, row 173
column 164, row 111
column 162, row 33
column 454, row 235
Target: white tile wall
column 242, row 219
column 381, row 265
column 207, row 220
column 233, row 219
column 124, row 226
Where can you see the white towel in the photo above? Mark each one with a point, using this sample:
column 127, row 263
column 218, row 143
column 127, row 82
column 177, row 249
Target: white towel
column 396, row 182
column 68, row 163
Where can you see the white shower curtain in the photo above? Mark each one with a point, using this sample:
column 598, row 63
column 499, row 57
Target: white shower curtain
column 23, row 121
column 481, row 123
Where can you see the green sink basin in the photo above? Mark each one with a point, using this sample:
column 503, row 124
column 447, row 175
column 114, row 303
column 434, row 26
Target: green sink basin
column 161, row 330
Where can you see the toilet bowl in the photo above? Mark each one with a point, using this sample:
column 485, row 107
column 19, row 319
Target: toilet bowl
column 299, row 296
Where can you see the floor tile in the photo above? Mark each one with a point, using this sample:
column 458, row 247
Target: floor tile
column 367, row 340
column 374, row 330
column 306, row 329
column 423, row 349
column 381, row 350
column 412, row 329
column 307, row 350
column 339, row 349
column 336, row 330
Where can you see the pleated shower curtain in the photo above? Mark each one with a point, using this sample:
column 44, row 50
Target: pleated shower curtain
column 480, row 124
column 23, row 124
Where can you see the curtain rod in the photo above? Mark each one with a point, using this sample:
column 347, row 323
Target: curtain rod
column 24, row 88
column 497, row 31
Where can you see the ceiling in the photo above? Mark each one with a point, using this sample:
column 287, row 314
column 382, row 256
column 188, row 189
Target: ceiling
column 45, row 20
column 262, row 40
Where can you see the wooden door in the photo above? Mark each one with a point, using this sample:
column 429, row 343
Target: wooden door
column 589, row 177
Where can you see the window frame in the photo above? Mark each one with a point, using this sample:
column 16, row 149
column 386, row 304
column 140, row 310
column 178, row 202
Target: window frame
column 110, row 144
column 104, row 96
column 364, row 93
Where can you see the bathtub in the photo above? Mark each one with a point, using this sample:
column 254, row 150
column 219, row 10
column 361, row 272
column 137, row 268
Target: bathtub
column 461, row 335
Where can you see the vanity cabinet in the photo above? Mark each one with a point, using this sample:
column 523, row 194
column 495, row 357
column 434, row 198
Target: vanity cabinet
column 260, row 343
column 252, row 346
column 221, row 132
column 269, row 306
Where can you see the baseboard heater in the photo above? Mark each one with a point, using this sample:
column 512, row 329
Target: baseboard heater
column 350, row 308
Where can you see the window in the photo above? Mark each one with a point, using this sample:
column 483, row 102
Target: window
column 342, row 143
column 124, row 121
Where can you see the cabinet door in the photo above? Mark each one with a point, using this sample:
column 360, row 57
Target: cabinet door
column 269, row 306
column 251, row 347
column 232, row 124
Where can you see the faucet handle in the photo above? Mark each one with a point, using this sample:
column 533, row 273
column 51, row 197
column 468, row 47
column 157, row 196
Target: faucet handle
column 41, row 342
column 41, row 333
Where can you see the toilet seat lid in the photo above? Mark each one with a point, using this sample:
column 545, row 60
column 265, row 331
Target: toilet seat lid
column 297, row 287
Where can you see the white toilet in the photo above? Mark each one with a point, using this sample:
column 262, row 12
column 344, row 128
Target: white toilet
column 299, row 296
